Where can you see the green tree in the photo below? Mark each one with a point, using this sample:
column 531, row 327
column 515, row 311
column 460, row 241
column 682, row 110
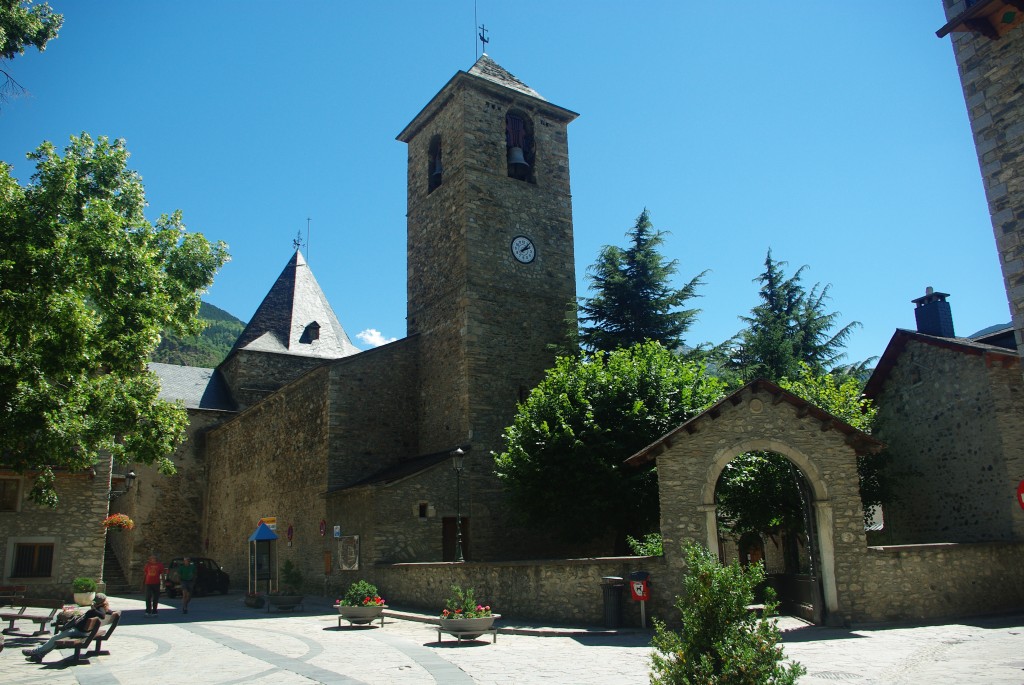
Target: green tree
column 86, row 286
column 564, row 452
column 22, row 25
column 720, row 641
column 790, row 326
column 633, row 300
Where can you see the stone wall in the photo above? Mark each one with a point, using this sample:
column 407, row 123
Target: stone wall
column 992, row 76
column 926, row 582
column 373, row 421
column 252, row 376
column 567, row 591
column 271, row 461
column 953, row 421
column 74, row 528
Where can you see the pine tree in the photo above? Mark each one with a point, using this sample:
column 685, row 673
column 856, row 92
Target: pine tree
column 790, row 326
column 633, row 300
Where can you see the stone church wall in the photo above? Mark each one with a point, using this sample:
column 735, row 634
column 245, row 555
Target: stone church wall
column 252, row 376
column 992, row 76
column 372, row 400
column 74, row 528
column 954, row 428
column 167, row 510
column 271, row 461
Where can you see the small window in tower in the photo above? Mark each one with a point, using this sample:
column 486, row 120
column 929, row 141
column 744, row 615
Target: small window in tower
column 435, row 172
column 519, row 147
column 311, row 333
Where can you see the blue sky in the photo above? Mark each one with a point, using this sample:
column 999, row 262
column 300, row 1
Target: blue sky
column 833, row 133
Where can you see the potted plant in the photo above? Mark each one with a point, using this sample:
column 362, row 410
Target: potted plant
column 84, row 590
column 464, row 617
column 289, row 595
column 361, row 603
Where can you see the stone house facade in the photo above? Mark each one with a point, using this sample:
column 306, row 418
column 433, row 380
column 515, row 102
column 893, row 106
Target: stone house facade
column 950, row 412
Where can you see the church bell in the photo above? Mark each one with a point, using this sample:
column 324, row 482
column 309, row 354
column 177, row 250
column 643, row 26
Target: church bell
column 515, row 157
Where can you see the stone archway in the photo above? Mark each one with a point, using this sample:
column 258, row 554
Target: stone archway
column 821, row 539
column 763, row 416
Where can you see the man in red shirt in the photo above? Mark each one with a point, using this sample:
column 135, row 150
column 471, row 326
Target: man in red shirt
column 151, row 573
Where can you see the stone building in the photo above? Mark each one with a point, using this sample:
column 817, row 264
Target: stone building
column 950, row 411
column 989, row 46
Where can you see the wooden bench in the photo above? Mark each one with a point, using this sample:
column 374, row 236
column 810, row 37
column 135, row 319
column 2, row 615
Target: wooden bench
column 12, row 594
column 92, row 626
column 32, row 610
column 105, row 631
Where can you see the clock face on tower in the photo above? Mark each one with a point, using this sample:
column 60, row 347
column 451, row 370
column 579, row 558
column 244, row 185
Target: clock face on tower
column 523, row 249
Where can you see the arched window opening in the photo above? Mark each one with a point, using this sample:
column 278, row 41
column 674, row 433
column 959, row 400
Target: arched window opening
column 519, row 147
column 435, row 170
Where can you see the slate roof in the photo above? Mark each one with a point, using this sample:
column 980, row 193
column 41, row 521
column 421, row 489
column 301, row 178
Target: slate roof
column 282, row 322
column 197, row 387
column 404, row 468
column 899, row 341
column 487, row 68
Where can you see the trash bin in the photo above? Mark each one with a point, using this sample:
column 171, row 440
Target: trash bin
column 611, row 588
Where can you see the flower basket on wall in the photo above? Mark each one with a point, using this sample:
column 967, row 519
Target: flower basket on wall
column 118, row 522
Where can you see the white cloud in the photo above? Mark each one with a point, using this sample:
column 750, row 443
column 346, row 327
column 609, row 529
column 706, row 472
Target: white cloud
column 373, row 337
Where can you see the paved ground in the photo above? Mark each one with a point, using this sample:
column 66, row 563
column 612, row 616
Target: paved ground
column 221, row 641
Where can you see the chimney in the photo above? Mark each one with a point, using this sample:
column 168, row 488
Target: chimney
column 933, row 314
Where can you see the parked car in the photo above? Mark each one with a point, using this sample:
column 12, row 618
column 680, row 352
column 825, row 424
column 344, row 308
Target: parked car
column 210, row 577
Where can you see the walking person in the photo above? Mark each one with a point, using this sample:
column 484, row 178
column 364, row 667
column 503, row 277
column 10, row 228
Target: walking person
column 100, row 608
column 151, row 573
column 187, row 576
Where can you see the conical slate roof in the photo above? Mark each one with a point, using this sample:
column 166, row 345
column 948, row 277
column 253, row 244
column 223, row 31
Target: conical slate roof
column 295, row 318
column 487, row 68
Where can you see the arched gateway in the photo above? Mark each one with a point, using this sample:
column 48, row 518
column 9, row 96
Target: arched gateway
column 762, row 416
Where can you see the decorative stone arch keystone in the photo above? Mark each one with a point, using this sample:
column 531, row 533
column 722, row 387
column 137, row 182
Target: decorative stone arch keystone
column 763, row 416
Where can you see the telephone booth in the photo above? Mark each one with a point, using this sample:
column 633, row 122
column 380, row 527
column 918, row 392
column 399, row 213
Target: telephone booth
column 262, row 559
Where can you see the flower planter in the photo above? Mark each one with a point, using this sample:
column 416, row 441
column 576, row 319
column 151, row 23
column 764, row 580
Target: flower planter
column 255, row 602
column 467, row 628
column 84, row 599
column 284, row 602
column 361, row 615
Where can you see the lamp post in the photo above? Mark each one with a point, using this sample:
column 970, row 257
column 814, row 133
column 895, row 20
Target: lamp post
column 457, row 464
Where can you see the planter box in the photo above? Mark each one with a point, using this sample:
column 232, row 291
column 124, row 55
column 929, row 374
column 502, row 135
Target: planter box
column 359, row 616
column 285, row 602
column 467, row 628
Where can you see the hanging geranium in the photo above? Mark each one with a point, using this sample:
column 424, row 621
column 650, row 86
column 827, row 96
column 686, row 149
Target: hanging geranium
column 118, row 521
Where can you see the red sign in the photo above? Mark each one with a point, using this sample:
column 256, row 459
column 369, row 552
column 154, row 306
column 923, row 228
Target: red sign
column 323, row 528
column 291, row 531
column 640, row 590
column 1020, row 494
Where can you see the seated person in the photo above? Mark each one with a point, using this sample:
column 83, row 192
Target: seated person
column 100, row 609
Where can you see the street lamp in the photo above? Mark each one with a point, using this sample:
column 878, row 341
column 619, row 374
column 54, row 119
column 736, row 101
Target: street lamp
column 457, row 464
column 129, row 478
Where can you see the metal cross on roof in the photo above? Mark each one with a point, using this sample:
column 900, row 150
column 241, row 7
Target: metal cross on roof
column 484, row 40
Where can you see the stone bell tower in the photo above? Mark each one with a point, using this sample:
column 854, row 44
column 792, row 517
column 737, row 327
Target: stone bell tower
column 491, row 274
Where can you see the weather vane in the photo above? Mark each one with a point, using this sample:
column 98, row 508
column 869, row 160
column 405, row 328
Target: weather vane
column 484, row 40
column 297, row 241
